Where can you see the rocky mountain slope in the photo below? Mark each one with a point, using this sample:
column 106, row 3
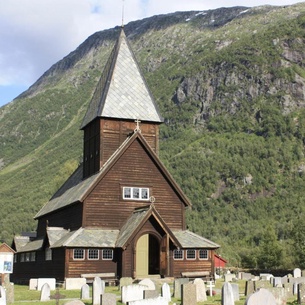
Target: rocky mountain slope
column 230, row 84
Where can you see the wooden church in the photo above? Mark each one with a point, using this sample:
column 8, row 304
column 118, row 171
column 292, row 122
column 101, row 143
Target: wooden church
column 120, row 212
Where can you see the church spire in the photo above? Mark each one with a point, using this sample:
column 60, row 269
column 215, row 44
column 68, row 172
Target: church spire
column 122, row 92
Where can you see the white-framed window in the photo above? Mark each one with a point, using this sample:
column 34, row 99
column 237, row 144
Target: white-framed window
column 107, row 254
column 190, row 254
column 78, row 254
column 32, row 256
column 22, row 257
column 178, row 254
column 137, row 193
column 27, row 256
column 203, row 254
column 93, row 254
column 48, row 254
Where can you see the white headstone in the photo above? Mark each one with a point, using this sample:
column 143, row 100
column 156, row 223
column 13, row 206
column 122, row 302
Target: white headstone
column 200, row 290
column 2, row 296
column 210, row 285
column 227, row 297
column 98, row 288
column 132, row 293
column 33, row 284
column 85, row 292
column 45, row 292
column 235, row 289
column 262, row 296
column 166, row 292
column 297, row 272
column 50, row 281
column 74, row 283
column 148, row 283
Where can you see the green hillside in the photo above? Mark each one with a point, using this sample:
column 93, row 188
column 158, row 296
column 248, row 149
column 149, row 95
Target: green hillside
column 230, row 84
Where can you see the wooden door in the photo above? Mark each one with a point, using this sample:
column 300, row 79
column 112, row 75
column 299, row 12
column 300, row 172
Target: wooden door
column 142, row 255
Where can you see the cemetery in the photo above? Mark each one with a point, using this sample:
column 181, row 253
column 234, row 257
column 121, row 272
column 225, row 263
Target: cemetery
column 230, row 289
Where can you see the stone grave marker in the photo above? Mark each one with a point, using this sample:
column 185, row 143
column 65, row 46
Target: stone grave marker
column 277, row 281
column 125, row 281
column 289, row 289
column 85, row 292
column 229, row 277
column 261, row 297
column 249, row 288
column 279, row 295
column 148, row 283
column 132, row 293
column 235, row 288
column 177, row 286
column 262, row 284
column 51, row 282
column 108, row 299
column 301, row 293
column 45, row 292
column 155, row 301
column 2, row 296
column 227, row 297
column 151, row 294
column 265, row 276
column 200, row 290
column 98, row 288
column 74, row 283
column 33, row 284
column 166, row 292
column 188, row 296
column 297, row 273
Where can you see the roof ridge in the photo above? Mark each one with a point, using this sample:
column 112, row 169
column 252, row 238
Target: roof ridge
column 74, row 235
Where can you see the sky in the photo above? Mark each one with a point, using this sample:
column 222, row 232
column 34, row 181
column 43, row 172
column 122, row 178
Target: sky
column 35, row 34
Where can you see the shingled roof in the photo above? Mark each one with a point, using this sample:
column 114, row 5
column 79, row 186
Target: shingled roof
column 122, row 92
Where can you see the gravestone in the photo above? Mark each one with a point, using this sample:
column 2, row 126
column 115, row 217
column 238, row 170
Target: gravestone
column 229, row 277
column 289, row 289
column 125, row 281
column 262, row 284
column 57, row 296
column 177, row 286
column 188, row 296
column 297, row 273
column 166, row 292
column 45, row 292
column 148, row 283
column 85, row 292
column 250, row 288
column 279, row 295
column 301, row 293
column 33, row 284
column 108, row 299
column 200, row 290
column 246, row 276
column 210, row 285
column 235, row 289
column 261, row 297
column 2, row 296
column 74, row 283
column 132, row 293
column 98, row 288
column 155, row 301
column 265, row 276
column 227, row 297
column 277, row 281
column 50, row 281
column 151, row 294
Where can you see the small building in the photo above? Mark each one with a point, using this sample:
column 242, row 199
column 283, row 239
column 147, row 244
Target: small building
column 121, row 212
column 220, row 262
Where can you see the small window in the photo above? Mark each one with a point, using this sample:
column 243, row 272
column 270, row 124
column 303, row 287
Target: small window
column 178, row 254
column 190, row 254
column 78, row 254
column 32, row 256
column 93, row 254
column 27, row 256
column 203, row 254
column 22, row 257
column 48, row 254
column 107, row 254
column 137, row 193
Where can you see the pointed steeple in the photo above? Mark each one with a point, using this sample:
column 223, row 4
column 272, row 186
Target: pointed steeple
column 122, row 92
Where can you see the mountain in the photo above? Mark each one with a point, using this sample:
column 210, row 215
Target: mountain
column 230, row 84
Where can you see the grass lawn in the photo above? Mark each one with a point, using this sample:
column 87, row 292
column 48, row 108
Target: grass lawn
column 24, row 296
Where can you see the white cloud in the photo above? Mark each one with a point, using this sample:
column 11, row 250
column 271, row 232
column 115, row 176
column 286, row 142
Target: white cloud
column 35, row 34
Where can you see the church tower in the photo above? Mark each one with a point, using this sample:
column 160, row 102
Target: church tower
column 122, row 103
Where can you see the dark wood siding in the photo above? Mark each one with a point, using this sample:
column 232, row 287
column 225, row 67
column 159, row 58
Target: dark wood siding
column 135, row 168
column 77, row 267
column 24, row 271
column 68, row 218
